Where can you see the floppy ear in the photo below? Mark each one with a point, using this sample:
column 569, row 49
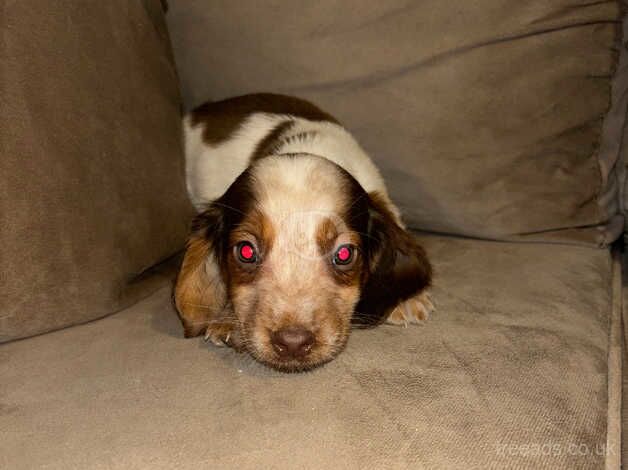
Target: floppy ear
column 200, row 293
column 398, row 267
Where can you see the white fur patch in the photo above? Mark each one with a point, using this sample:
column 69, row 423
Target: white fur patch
column 297, row 195
column 210, row 169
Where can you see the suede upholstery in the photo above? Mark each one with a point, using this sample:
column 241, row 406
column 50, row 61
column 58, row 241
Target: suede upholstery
column 487, row 119
column 514, row 356
column 91, row 173
column 484, row 116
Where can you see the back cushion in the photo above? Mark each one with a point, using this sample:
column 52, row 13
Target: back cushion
column 91, row 170
column 484, row 117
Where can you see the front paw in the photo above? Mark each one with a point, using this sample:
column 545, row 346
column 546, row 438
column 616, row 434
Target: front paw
column 223, row 334
column 413, row 310
column 219, row 333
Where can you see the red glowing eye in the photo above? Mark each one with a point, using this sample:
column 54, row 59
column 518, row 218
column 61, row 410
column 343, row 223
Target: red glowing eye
column 343, row 255
column 246, row 252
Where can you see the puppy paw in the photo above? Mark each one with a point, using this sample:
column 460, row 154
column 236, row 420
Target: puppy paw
column 413, row 310
column 219, row 333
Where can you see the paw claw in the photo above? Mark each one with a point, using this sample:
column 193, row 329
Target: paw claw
column 219, row 335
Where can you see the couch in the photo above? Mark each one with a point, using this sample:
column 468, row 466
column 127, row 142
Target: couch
column 499, row 126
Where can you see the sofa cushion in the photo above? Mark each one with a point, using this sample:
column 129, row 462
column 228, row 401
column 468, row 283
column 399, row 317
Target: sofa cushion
column 515, row 358
column 624, row 401
column 484, row 116
column 91, row 171
column 615, row 133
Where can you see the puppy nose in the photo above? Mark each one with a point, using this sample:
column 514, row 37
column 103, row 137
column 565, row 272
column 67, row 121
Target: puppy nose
column 292, row 342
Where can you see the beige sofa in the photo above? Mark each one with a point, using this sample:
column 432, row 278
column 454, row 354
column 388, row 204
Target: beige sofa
column 499, row 127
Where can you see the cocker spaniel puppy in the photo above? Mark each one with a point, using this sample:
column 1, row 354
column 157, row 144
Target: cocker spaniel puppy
column 296, row 238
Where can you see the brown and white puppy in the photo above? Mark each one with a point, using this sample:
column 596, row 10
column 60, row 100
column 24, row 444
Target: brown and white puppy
column 296, row 237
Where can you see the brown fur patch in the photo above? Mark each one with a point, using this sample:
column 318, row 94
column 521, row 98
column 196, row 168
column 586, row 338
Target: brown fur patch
column 255, row 228
column 326, row 239
column 200, row 292
column 398, row 265
column 381, row 204
column 268, row 145
column 199, row 297
column 222, row 118
column 326, row 234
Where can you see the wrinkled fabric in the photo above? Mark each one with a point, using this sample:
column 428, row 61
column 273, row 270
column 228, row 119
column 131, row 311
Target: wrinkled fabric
column 624, row 402
column 616, row 138
column 514, row 357
column 485, row 117
column 92, row 192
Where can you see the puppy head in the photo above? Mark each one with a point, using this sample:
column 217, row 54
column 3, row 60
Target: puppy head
column 289, row 256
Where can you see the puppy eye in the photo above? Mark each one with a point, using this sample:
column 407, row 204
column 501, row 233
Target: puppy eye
column 343, row 255
column 246, row 253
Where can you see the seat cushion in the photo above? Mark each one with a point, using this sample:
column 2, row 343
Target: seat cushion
column 515, row 358
column 485, row 116
column 92, row 192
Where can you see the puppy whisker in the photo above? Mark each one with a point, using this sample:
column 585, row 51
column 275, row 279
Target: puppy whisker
column 191, row 304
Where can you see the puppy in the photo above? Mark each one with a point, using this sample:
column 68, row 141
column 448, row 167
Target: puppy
column 296, row 238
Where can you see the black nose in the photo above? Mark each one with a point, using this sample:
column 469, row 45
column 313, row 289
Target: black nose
column 292, row 342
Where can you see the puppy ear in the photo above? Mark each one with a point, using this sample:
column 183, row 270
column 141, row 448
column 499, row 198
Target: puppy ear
column 200, row 293
column 398, row 267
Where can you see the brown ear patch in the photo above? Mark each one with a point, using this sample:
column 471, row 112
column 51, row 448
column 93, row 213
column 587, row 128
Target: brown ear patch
column 199, row 293
column 398, row 265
